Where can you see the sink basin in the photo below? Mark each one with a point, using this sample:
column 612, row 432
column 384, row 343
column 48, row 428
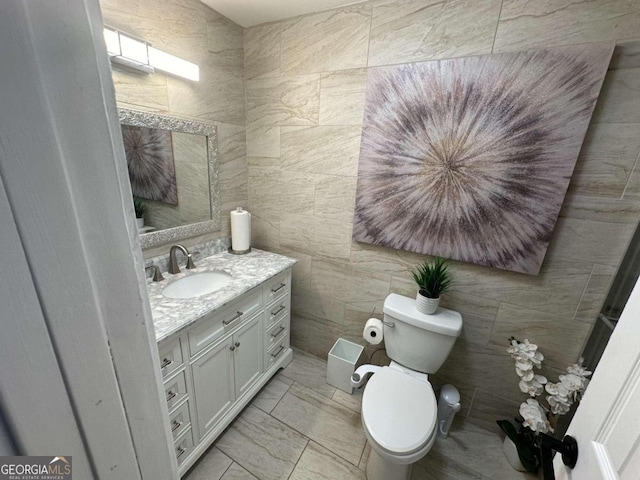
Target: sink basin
column 197, row 284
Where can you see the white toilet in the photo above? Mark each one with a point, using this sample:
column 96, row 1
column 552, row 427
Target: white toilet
column 399, row 407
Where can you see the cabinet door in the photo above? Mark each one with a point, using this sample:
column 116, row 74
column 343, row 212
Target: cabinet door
column 249, row 355
column 213, row 385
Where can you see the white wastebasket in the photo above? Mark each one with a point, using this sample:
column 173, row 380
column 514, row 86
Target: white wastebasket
column 341, row 364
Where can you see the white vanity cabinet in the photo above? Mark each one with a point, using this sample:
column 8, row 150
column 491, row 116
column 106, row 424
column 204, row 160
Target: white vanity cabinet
column 213, row 368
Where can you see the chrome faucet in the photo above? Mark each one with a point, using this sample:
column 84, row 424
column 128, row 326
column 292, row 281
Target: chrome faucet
column 173, row 262
column 157, row 276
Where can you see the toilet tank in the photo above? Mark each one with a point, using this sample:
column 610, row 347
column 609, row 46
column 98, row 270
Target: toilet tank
column 418, row 341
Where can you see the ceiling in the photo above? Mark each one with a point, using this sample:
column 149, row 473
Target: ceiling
column 252, row 12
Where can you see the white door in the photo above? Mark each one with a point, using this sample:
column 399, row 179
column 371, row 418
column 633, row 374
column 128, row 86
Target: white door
column 248, row 355
column 213, row 384
column 607, row 422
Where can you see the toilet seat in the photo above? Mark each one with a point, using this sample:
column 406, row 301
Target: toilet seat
column 399, row 412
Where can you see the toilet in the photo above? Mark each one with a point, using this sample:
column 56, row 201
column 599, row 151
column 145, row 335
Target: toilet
column 399, row 407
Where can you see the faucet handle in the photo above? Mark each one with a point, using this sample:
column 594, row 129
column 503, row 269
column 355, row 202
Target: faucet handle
column 190, row 264
column 157, row 276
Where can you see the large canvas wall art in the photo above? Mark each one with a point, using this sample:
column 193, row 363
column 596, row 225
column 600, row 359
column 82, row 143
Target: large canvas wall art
column 152, row 170
column 471, row 158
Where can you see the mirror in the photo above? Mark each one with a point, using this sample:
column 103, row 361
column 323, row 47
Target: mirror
column 173, row 170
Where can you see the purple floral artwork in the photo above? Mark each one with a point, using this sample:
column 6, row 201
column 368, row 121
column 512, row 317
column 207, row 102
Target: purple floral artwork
column 152, row 170
column 470, row 158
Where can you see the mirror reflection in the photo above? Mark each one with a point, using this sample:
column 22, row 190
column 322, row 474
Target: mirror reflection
column 171, row 164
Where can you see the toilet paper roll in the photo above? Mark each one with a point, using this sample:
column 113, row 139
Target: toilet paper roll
column 373, row 332
column 240, row 230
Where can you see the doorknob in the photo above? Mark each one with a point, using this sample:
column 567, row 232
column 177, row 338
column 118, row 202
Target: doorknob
column 568, row 447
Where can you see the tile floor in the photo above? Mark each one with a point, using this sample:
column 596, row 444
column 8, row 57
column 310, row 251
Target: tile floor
column 300, row 428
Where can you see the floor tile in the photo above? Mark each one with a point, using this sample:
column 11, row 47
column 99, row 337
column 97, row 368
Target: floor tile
column 321, row 419
column 211, row 466
column 353, row 401
column 272, row 392
column 262, row 445
column 438, row 467
column 236, row 472
column 309, row 371
column 319, row 463
column 365, row 457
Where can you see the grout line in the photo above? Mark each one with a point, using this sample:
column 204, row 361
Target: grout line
column 369, row 37
column 495, row 35
column 301, row 454
column 584, row 290
column 626, row 185
column 230, row 465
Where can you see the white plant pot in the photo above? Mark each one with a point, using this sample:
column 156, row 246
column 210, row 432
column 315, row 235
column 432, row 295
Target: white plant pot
column 511, row 452
column 140, row 222
column 426, row 305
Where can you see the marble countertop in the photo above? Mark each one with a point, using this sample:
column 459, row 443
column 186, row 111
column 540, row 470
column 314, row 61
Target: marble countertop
column 172, row 315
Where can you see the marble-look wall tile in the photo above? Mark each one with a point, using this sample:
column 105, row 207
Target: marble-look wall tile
column 265, row 234
column 285, row 100
column 315, row 236
column 560, row 339
column 342, row 96
column 327, row 150
column 333, row 40
column 595, row 293
column 224, row 42
column 262, row 51
column 619, row 100
column 404, row 31
column 632, row 190
column 335, row 198
column 300, row 332
column 601, row 209
column 626, row 55
column 525, row 24
column 606, row 159
column 147, row 91
column 263, row 142
column 487, row 408
column 597, row 242
column 232, row 172
column 343, row 282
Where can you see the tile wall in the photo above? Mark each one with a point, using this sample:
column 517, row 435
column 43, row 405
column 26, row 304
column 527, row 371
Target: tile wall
column 305, row 80
column 190, row 30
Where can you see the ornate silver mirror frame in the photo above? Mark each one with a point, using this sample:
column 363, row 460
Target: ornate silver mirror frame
column 153, row 120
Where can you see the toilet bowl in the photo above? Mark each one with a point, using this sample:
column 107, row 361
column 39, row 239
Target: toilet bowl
column 399, row 407
column 399, row 412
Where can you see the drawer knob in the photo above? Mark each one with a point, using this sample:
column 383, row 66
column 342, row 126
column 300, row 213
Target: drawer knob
column 237, row 344
column 278, row 310
column 175, row 425
column 170, row 395
column 278, row 288
column 280, row 330
column 231, row 320
column 232, row 348
column 166, row 362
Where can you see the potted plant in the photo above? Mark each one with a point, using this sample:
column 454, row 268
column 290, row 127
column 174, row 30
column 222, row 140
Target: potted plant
column 521, row 444
column 433, row 279
column 140, row 209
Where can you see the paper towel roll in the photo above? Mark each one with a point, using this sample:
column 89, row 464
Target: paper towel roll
column 373, row 331
column 240, row 230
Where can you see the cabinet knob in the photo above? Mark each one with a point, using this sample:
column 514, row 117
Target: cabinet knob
column 237, row 344
column 232, row 348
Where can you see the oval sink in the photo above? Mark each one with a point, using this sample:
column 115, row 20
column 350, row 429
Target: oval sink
column 197, row 284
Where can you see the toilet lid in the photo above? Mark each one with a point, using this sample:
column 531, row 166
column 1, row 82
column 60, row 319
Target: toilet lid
column 399, row 411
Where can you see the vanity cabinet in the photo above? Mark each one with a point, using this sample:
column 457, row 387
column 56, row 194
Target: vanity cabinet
column 215, row 367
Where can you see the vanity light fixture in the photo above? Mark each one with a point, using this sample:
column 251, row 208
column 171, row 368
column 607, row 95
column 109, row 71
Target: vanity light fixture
column 139, row 55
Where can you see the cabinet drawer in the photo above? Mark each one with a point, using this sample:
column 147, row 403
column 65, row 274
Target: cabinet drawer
column 170, row 357
column 276, row 331
column 184, row 445
column 278, row 310
column 276, row 287
column 275, row 352
column 175, row 390
column 180, row 420
column 215, row 325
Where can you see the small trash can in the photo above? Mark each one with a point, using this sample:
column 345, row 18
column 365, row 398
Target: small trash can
column 341, row 363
